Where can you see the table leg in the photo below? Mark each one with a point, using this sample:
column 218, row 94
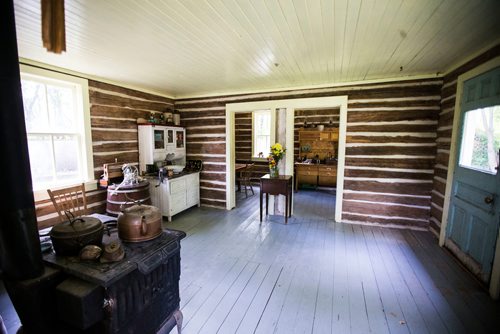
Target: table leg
column 267, row 204
column 261, row 205
column 286, row 208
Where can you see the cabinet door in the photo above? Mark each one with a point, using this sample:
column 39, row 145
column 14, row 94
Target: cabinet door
column 327, row 175
column 179, row 139
column 308, row 135
column 177, row 203
column 334, row 135
column 159, row 139
column 193, row 189
column 178, row 186
column 170, row 136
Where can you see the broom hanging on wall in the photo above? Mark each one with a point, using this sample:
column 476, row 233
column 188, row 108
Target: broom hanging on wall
column 53, row 26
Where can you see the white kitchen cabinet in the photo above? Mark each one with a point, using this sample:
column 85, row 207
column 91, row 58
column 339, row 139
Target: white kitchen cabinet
column 156, row 141
column 175, row 194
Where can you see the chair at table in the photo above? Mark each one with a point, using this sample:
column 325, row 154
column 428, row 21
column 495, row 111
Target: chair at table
column 244, row 178
column 72, row 199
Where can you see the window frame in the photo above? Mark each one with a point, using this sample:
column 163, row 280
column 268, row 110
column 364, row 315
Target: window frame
column 83, row 112
column 272, row 132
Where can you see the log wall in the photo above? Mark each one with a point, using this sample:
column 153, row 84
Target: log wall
column 390, row 153
column 113, row 113
column 444, row 133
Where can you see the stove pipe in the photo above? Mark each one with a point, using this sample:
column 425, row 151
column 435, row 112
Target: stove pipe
column 20, row 253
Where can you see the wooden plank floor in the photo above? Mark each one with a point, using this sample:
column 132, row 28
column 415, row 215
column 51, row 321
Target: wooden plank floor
column 315, row 276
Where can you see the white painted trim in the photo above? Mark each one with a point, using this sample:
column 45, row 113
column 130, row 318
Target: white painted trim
column 495, row 275
column 290, row 105
column 474, row 55
column 230, row 159
column 25, row 61
column 296, row 89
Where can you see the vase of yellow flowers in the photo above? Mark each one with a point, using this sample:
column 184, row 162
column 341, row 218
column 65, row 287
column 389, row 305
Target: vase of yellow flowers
column 276, row 154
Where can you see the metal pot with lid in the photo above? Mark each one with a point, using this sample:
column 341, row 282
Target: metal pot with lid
column 139, row 223
column 70, row 237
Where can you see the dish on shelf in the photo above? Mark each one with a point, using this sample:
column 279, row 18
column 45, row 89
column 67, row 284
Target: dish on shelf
column 306, row 148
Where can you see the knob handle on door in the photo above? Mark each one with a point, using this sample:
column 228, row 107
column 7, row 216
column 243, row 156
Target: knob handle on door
column 488, row 200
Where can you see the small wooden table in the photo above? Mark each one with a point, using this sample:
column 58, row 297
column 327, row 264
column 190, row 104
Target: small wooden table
column 281, row 185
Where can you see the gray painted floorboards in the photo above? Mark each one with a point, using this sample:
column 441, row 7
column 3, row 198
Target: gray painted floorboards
column 315, row 276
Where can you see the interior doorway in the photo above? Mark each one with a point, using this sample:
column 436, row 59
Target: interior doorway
column 339, row 102
column 316, row 134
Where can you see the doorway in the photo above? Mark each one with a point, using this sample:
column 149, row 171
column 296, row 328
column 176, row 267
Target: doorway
column 290, row 106
column 316, row 134
column 472, row 216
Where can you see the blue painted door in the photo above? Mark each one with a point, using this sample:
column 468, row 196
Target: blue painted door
column 475, row 203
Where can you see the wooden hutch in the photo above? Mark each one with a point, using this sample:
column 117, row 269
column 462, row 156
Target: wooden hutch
column 320, row 150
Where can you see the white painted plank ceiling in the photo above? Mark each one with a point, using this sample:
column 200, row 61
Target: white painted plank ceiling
column 199, row 47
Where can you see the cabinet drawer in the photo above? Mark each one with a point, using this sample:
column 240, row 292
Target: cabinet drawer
column 327, row 169
column 309, row 135
column 305, row 168
column 334, row 173
column 177, row 186
column 307, row 172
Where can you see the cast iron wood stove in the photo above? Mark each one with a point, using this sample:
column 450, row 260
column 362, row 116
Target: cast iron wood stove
column 139, row 294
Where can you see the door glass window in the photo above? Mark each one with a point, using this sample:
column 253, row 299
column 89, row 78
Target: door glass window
column 159, row 136
column 481, row 139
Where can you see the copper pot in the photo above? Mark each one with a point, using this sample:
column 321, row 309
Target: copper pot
column 139, row 223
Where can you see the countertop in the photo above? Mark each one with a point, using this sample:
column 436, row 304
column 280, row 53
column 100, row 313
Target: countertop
column 314, row 164
column 154, row 176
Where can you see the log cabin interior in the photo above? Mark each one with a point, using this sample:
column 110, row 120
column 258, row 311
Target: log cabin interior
column 393, row 107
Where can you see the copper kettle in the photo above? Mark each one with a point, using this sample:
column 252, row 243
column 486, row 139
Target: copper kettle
column 139, row 223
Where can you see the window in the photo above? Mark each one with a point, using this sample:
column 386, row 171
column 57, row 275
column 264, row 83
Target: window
column 481, row 139
column 57, row 125
column 261, row 133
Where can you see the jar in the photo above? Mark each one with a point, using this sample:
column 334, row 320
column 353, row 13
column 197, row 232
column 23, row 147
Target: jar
column 168, row 117
column 177, row 118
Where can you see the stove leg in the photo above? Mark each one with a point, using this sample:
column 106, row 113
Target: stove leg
column 178, row 320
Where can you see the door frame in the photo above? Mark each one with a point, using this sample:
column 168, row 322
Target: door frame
column 494, row 287
column 290, row 105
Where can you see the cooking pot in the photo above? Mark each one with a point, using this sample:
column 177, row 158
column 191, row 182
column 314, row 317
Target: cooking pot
column 139, row 223
column 70, row 237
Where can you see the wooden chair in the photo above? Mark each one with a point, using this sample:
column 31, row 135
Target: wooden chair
column 244, row 179
column 72, row 199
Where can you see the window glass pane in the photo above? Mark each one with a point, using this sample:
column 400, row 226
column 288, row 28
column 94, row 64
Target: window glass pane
column 66, row 157
column 35, row 106
column 481, row 139
column 54, row 130
column 261, row 132
column 42, row 167
column 262, row 123
column 61, row 104
column 262, row 144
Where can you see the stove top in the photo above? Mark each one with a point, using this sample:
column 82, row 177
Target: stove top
column 144, row 256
